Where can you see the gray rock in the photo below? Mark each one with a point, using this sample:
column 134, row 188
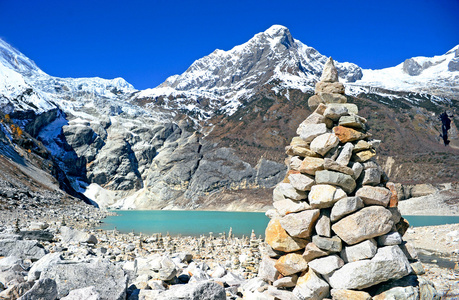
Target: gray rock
column 399, row 292
column 371, row 176
column 346, row 182
column 266, row 270
column 345, row 207
column 275, row 293
column 12, row 269
column 363, row 250
column 329, row 87
column 326, row 265
column 374, row 195
column 388, row 263
column 335, row 112
column 329, row 73
column 163, row 268
column 311, row 286
column 352, row 121
column 312, row 251
column 333, row 244
column 300, row 224
column 411, row 67
column 286, row 282
column 357, row 168
column 390, row 239
column 206, row 290
column 38, row 235
column 43, row 263
column 325, row 195
column 331, row 165
column 301, row 182
column 87, row 293
column 351, row 107
column 311, row 131
column 345, row 154
column 22, row 249
column 332, row 98
column 324, row 143
column 289, row 191
column 427, row 290
column 287, row 206
column 69, row 235
column 367, row 223
column 109, row 280
column 323, row 225
column 42, row 289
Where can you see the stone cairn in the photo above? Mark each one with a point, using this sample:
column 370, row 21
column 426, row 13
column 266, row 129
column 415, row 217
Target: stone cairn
column 336, row 230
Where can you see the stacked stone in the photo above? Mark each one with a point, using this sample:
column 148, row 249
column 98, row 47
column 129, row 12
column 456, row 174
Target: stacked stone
column 336, row 228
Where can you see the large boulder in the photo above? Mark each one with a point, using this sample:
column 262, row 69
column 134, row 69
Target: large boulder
column 22, row 249
column 280, row 240
column 70, row 235
column 42, row 289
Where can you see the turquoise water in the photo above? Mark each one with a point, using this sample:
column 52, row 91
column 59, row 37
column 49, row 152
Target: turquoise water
column 195, row 223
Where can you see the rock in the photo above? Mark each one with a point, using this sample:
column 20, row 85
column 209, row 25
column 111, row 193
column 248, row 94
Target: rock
column 326, row 265
column 87, row 293
column 289, row 191
column 286, row 282
column 427, row 290
column 280, row 240
column 16, row 291
column 363, row 250
column 109, row 280
column 37, row 235
column 22, row 249
column 361, row 145
column 346, row 182
column 267, row 270
column 275, row 293
column 163, row 268
column 390, row 239
column 309, row 132
column 345, row 207
column 335, row 112
column 208, row 291
column 357, row 168
column 345, row 154
column 11, row 270
column 332, row 98
column 300, row 151
column 300, row 225
column 364, row 156
column 329, row 87
column 409, row 251
column 310, row 165
column 393, row 202
column 325, row 195
column 312, row 251
column 388, row 263
column 42, row 289
column 287, row 206
column 331, row 165
column 295, row 163
column 298, row 141
column 351, row 121
column 411, row 67
column 332, row 245
column 364, row 224
column 69, row 235
column 314, row 101
column 311, row 286
column 323, row 225
column 316, row 118
column 253, row 284
column 43, row 263
column 301, row 182
column 346, row 134
column 351, row 107
column 329, row 73
column 417, row 268
column 371, row 176
column 349, row 294
column 374, row 195
column 290, row 264
column 324, row 143
column 408, row 292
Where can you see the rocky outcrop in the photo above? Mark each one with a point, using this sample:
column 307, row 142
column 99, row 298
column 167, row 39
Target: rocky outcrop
column 348, row 226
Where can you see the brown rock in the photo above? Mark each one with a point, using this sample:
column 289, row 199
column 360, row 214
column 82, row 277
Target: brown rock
column 311, row 164
column 314, row 101
column 393, row 202
column 349, row 294
column 369, row 222
column 291, row 263
column 332, row 98
column 300, row 151
column 402, row 226
column 280, row 240
column 312, row 251
column 329, row 87
column 329, row 73
column 300, row 225
column 346, row 134
column 298, row 141
column 364, row 156
column 320, row 109
column 289, row 172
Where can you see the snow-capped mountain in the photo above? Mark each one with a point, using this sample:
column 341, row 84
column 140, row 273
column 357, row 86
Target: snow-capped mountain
column 437, row 76
column 223, row 79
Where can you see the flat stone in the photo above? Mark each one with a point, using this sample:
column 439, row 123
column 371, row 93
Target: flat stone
column 332, row 245
column 329, row 87
column 364, row 156
column 266, row 270
column 70, row 235
column 22, row 249
column 286, row 282
column 316, row 118
column 42, row 289
column 300, row 224
column 326, row 265
column 287, row 206
column 163, row 268
column 325, row 195
column 374, row 195
column 310, row 165
column 295, row 163
column 346, row 134
column 399, row 292
column 345, row 207
column 314, row 101
column 367, row 223
column 390, row 239
column 371, row 176
column 289, row 191
column 345, row 154
column 43, row 263
column 311, row 286
column 312, row 251
column 309, row 132
column 323, row 224
column 351, row 107
column 332, row 98
column 298, row 141
column 388, row 263
column 331, row 165
column 300, row 151
column 351, row 121
column 344, row 181
column 290, row 264
column 320, row 109
column 301, row 182
column 363, row 250
column 324, row 143
column 87, row 293
column 274, row 293
column 361, row 145
column 280, row 240
column 335, row 112
column 349, row 294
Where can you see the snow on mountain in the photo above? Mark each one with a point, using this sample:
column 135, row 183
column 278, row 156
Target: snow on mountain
column 437, row 76
column 221, row 80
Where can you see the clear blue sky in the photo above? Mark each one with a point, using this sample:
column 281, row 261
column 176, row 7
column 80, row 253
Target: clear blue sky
column 145, row 41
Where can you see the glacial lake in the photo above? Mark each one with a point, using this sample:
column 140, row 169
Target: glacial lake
column 195, row 223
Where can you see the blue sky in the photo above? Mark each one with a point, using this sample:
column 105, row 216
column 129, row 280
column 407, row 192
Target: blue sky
column 146, row 41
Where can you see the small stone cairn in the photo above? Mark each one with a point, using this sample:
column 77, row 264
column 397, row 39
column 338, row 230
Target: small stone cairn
column 336, row 231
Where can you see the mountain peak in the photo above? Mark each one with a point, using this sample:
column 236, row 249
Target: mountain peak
column 277, row 30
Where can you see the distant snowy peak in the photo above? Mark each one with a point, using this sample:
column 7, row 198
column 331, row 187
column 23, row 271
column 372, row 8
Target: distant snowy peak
column 223, row 78
column 438, row 76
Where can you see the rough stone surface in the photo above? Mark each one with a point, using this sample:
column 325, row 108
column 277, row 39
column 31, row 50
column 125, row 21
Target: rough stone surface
column 290, row 264
column 301, row 182
column 329, row 73
column 345, row 207
column 333, row 244
column 22, row 249
column 357, row 168
column 280, row 240
column 87, row 293
column 371, row 176
column 351, row 107
column 332, row 98
column 324, row 143
column 286, row 282
column 390, row 239
column 349, row 294
column 345, row 154
column 323, row 225
column 309, row 132
column 366, row 223
column 300, row 151
column 351, row 121
column 289, row 191
column 325, row 195
column 332, row 165
column 300, row 224
column 374, row 195
column 310, row 165
column 311, row 286
column 346, row 134
column 346, row 182
column 326, row 265
column 363, row 250
column 312, row 251
column 388, row 263
column 329, row 87
column 43, row 263
column 42, row 289
column 287, row 206
column 267, row 270
column 364, row 156
column 108, row 279
column 69, row 235
column 335, row 112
